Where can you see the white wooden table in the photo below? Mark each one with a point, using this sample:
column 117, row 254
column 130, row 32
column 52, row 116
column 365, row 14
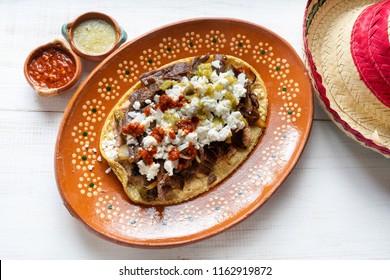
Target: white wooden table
column 335, row 204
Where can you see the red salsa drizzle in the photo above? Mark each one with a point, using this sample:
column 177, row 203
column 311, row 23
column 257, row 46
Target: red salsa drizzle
column 147, row 111
column 172, row 135
column 187, row 125
column 52, row 68
column 190, row 151
column 134, row 128
column 147, row 155
column 158, row 134
column 173, row 154
column 167, row 102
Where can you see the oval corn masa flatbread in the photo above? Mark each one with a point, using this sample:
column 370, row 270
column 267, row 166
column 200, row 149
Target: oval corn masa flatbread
column 134, row 186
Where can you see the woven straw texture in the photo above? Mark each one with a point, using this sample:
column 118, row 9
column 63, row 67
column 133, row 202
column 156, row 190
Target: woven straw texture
column 371, row 50
column 343, row 93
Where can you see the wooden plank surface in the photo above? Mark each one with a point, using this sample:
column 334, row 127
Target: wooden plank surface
column 335, row 205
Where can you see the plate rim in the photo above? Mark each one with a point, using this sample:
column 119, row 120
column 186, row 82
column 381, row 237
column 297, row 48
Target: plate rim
column 249, row 209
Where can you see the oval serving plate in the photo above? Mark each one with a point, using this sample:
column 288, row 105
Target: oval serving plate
column 98, row 200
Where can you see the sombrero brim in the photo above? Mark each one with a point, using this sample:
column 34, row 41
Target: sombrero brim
column 349, row 99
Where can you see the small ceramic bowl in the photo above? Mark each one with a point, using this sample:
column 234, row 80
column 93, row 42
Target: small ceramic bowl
column 68, row 31
column 63, row 49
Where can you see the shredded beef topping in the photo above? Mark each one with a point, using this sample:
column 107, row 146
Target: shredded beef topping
column 143, row 94
column 174, row 72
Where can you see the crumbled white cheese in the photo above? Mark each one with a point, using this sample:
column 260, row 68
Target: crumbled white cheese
column 223, row 81
column 158, row 114
column 168, row 166
column 137, row 105
column 175, row 91
column 147, row 121
column 238, row 91
column 223, row 108
column 90, row 167
column 94, row 150
column 148, row 101
column 216, row 64
column 150, row 171
column 214, row 77
column 130, row 140
column 200, row 84
column 228, row 73
column 209, row 104
column 99, row 159
column 192, row 137
column 183, row 146
column 161, row 152
column 138, row 117
column 132, row 114
column 149, row 141
column 235, row 121
column 202, row 134
column 191, row 109
column 167, row 139
column 241, row 78
column 225, row 133
column 213, row 135
column 108, row 170
column 219, row 95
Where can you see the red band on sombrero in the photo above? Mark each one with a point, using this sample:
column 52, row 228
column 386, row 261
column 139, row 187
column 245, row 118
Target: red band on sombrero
column 370, row 49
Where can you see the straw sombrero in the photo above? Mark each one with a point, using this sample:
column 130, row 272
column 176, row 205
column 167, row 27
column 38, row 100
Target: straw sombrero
column 348, row 55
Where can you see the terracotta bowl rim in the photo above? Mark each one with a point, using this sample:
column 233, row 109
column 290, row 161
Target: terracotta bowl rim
column 68, row 30
column 62, row 45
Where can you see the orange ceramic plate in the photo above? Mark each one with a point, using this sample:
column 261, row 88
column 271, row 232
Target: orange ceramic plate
column 98, row 200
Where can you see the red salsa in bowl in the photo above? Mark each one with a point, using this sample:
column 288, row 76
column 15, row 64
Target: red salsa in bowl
column 52, row 68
